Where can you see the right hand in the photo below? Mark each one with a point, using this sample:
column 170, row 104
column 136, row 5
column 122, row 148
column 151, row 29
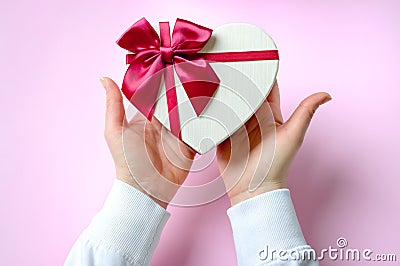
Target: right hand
column 233, row 156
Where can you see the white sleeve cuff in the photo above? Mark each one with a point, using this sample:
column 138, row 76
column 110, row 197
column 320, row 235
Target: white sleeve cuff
column 267, row 220
column 129, row 223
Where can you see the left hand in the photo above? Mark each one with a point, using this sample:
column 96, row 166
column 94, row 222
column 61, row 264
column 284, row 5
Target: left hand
column 152, row 153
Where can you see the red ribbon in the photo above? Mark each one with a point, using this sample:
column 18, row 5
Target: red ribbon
column 152, row 54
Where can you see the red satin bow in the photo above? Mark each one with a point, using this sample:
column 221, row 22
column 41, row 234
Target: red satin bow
column 152, row 54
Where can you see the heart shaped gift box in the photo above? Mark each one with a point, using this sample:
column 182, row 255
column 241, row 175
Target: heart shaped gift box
column 201, row 84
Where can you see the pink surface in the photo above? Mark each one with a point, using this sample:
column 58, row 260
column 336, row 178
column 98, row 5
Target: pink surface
column 56, row 169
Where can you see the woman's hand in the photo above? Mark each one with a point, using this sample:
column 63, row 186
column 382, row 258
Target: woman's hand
column 251, row 160
column 152, row 153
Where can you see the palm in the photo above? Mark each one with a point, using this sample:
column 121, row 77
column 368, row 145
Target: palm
column 146, row 155
column 169, row 157
column 272, row 145
column 252, row 149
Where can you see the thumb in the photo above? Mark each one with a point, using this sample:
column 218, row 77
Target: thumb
column 115, row 112
column 300, row 119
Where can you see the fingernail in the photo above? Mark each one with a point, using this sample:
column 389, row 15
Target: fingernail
column 327, row 99
column 104, row 83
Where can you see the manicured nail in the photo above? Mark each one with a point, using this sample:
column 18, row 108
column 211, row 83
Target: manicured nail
column 104, row 83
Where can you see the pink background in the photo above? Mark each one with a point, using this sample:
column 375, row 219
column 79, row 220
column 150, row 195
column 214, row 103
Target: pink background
column 56, row 170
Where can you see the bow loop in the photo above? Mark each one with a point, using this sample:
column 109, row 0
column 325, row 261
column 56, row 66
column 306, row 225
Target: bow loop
column 188, row 37
column 140, row 36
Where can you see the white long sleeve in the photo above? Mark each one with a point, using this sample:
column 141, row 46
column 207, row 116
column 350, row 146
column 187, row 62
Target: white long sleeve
column 266, row 231
column 125, row 232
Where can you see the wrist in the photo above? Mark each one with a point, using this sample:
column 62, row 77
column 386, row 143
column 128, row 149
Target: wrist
column 128, row 179
column 238, row 197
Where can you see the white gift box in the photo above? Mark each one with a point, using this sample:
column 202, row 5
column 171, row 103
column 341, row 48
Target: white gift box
column 244, row 86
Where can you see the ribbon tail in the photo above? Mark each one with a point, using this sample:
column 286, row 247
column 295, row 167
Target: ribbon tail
column 141, row 84
column 172, row 101
column 199, row 81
